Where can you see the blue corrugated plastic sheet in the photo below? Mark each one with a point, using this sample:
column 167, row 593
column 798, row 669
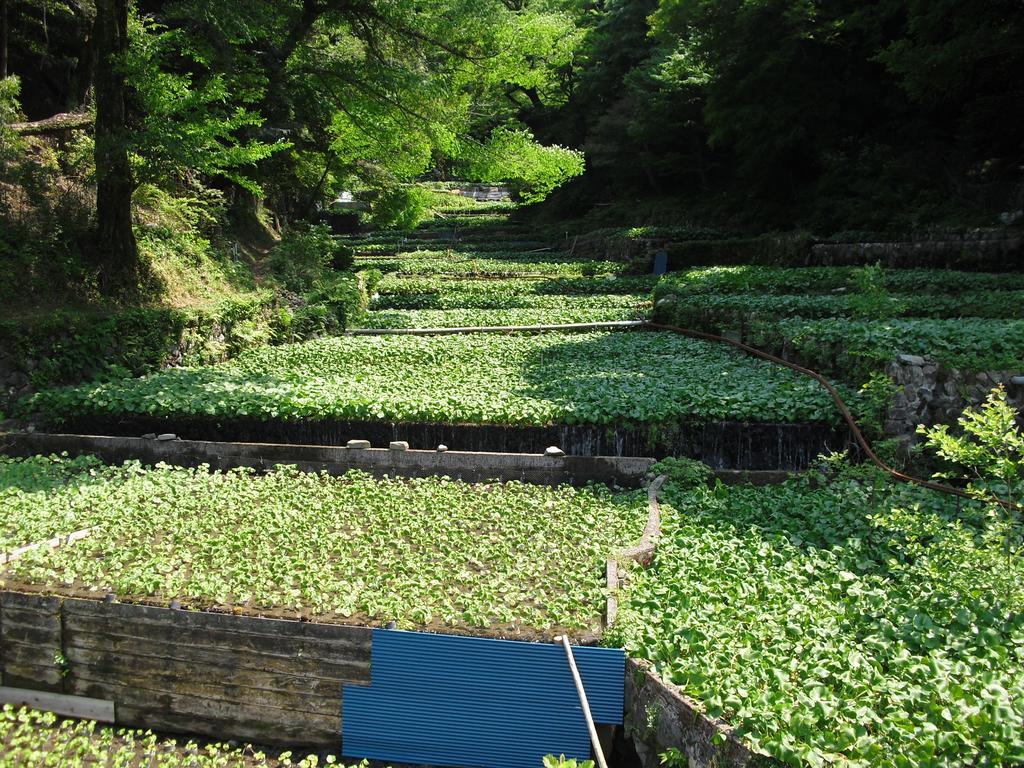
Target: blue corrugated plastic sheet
column 466, row 701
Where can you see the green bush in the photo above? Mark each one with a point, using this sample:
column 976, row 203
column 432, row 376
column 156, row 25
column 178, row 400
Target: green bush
column 305, row 254
column 69, row 347
column 400, row 208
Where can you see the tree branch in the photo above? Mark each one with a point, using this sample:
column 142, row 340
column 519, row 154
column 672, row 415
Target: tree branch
column 65, row 121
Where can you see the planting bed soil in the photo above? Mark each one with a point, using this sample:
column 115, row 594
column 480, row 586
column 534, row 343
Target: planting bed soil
column 842, row 620
column 504, row 559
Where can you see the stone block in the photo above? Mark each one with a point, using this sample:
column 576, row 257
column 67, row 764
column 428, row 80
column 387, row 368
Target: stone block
column 358, row 445
column 916, row 360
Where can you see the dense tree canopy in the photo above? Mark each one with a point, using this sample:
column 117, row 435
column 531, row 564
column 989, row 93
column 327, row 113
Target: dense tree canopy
column 781, row 113
column 760, row 114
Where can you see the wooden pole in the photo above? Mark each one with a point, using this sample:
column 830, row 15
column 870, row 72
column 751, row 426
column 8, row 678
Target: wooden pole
column 594, row 740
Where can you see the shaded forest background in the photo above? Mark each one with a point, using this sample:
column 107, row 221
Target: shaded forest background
column 201, row 131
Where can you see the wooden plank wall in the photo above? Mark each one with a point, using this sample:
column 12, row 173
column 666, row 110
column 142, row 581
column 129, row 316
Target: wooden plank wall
column 228, row 677
column 30, row 642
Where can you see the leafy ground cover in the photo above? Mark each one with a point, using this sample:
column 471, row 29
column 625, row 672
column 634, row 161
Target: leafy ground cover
column 42, row 740
column 465, row 318
column 854, row 348
column 33, row 512
column 726, row 310
column 849, row 622
column 620, row 378
column 468, row 264
column 437, row 292
column 430, row 553
column 757, row 279
column 849, row 323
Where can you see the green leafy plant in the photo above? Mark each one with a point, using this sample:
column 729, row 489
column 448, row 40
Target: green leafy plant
column 550, row 761
column 990, row 446
column 432, row 552
column 400, row 207
column 851, row 621
column 305, row 254
column 598, row 378
column 42, row 740
column 871, row 298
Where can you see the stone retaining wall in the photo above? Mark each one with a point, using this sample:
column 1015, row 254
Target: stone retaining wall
column 930, row 393
column 660, row 717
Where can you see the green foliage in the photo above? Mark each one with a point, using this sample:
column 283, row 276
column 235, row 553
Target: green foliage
column 67, row 347
column 789, row 280
column 497, row 264
column 990, row 447
column 779, row 114
column 683, row 472
column 511, row 155
column 371, row 278
column 876, row 394
column 400, row 292
column 550, row 761
column 189, row 125
column 615, row 378
column 870, row 299
column 463, row 318
column 855, row 348
column 822, row 326
column 401, row 208
column 305, row 254
column 11, row 144
column 857, row 622
column 43, row 740
column 423, row 552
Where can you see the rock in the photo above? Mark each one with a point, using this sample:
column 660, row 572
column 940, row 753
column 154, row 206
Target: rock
column 167, row 436
column 442, row 448
column 30, row 428
column 358, row 445
column 911, row 359
column 149, row 436
column 1017, row 381
column 554, row 451
column 398, row 445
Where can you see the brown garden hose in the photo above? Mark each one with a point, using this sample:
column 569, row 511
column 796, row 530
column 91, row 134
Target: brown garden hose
column 858, row 436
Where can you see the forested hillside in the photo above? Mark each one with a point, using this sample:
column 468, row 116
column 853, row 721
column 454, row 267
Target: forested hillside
column 135, row 131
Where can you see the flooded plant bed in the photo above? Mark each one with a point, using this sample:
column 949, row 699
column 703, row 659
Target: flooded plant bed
column 720, row 444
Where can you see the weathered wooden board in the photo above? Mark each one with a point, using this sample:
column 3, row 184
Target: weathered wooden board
column 225, row 676
column 62, row 704
column 30, row 642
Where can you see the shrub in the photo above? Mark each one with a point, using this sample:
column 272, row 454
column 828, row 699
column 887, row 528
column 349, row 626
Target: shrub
column 305, row 253
column 400, row 208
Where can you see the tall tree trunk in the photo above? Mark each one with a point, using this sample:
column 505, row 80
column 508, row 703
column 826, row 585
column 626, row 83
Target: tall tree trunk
column 117, row 253
column 3, row 39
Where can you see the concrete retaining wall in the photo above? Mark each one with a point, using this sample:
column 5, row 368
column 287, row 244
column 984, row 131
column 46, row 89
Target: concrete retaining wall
column 627, row 472
column 719, row 444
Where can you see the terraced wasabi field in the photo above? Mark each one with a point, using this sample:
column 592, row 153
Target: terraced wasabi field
column 501, row 558
column 595, row 378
